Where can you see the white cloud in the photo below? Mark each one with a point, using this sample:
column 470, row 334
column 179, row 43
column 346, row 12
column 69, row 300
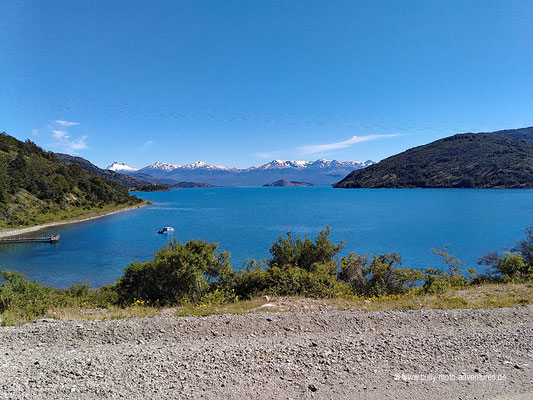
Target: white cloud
column 59, row 134
column 63, row 141
column 65, row 123
column 147, row 144
column 320, row 148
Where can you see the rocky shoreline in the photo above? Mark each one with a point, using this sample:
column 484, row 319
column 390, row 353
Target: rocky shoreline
column 424, row 354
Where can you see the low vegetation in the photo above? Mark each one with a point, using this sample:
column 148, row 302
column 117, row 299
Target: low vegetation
column 196, row 279
column 36, row 188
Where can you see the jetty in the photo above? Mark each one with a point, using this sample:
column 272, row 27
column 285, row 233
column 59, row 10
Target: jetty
column 25, row 239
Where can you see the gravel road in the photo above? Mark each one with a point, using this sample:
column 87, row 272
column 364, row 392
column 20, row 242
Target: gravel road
column 325, row 354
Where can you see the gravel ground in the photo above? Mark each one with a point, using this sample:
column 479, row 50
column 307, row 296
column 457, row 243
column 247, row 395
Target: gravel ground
column 325, row 354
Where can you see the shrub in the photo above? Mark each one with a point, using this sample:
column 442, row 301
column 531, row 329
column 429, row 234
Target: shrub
column 381, row 277
column 28, row 299
column 510, row 267
column 304, row 253
column 22, row 300
column 296, row 281
column 178, row 273
column 515, row 265
column 298, row 267
column 525, row 247
column 438, row 281
column 251, row 280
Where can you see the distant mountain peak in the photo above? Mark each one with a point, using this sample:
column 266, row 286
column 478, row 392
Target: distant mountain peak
column 320, row 163
column 203, row 165
column 195, row 165
column 118, row 166
column 162, row 166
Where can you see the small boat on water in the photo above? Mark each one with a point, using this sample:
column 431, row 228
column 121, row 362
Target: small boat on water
column 166, row 229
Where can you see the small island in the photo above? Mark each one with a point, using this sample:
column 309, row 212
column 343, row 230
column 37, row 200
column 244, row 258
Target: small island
column 284, row 182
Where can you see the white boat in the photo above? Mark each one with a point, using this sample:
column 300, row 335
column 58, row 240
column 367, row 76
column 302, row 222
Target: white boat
column 166, row 229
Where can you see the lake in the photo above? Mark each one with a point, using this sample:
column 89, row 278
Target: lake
column 245, row 221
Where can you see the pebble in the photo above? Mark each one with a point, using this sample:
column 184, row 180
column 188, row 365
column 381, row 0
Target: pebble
column 329, row 353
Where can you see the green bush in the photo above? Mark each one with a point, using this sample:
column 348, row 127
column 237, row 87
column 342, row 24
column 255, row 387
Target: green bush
column 251, row 280
column 381, row 277
column 178, row 273
column 22, row 300
column 28, row 298
column 525, row 247
column 304, row 253
column 515, row 265
column 438, row 281
column 512, row 267
column 295, row 281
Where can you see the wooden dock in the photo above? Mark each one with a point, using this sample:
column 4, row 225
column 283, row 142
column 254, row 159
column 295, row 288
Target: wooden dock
column 24, row 239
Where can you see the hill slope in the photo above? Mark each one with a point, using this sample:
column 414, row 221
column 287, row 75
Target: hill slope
column 35, row 187
column 472, row 160
column 126, row 180
column 525, row 134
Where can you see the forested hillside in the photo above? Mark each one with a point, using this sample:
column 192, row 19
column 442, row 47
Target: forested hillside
column 525, row 134
column 36, row 188
column 473, row 160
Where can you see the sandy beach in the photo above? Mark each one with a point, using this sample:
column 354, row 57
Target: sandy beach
column 21, row 231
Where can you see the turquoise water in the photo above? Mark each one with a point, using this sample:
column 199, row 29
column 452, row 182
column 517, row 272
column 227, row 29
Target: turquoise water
column 245, row 221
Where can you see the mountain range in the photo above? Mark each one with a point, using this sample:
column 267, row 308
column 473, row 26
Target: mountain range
column 501, row 159
column 319, row 172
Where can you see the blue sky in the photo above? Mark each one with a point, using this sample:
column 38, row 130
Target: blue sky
column 239, row 83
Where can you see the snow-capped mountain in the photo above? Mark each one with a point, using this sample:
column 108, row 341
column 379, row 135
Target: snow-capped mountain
column 161, row 166
column 121, row 167
column 319, row 172
column 280, row 164
column 203, row 165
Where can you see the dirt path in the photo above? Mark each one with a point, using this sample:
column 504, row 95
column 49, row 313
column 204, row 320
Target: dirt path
column 320, row 354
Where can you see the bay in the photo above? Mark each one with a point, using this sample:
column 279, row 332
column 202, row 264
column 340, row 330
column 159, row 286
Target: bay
column 246, row 221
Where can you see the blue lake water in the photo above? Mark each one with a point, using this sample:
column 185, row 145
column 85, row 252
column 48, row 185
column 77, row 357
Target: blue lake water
column 245, row 221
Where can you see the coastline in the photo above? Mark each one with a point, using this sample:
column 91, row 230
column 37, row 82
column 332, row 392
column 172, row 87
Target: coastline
column 20, row 231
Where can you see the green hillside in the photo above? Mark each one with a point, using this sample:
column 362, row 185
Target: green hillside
column 36, row 188
column 525, row 134
column 472, row 160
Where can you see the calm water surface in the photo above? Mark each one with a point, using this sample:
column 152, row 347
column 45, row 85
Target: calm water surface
column 245, row 221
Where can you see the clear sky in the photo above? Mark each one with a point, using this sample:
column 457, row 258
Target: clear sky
column 242, row 82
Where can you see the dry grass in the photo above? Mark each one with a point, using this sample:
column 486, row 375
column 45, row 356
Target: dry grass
column 486, row 296
column 102, row 314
